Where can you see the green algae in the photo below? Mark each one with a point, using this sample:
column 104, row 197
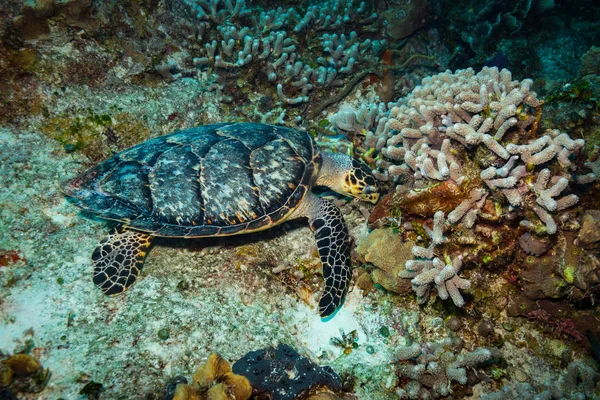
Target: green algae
column 96, row 135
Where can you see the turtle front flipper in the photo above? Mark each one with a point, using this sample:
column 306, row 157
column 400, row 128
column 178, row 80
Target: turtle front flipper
column 333, row 243
column 118, row 259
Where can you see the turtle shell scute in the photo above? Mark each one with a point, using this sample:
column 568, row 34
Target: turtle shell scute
column 213, row 180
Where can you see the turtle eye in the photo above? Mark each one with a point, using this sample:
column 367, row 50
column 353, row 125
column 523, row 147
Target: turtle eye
column 369, row 189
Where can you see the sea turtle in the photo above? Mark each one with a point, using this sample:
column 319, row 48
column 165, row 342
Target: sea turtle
column 220, row 180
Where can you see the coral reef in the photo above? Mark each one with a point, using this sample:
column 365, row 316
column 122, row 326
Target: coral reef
column 577, row 382
column 515, row 183
column 428, row 270
column 277, row 51
column 477, row 134
column 477, row 183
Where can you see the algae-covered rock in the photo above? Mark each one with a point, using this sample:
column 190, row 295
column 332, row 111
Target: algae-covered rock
column 541, row 279
column 444, row 196
column 590, row 228
column 408, row 16
column 33, row 21
column 385, row 249
column 22, row 373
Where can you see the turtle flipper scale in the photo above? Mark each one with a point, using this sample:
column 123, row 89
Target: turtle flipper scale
column 118, row 259
column 333, row 243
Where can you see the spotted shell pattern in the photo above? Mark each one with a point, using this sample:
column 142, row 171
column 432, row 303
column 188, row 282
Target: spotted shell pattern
column 213, row 180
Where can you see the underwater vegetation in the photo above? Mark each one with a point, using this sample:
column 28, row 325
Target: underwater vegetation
column 476, row 275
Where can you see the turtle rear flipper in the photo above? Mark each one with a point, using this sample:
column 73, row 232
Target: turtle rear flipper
column 118, row 259
column 333, row 243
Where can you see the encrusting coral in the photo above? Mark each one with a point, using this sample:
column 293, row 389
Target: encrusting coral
column 385, row 249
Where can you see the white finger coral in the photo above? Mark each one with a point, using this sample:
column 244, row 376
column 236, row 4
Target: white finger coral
column 428, row 270
column 546, row 195
column 431, row 367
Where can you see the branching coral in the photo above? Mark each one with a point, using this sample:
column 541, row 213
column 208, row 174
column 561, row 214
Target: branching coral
column 428, row 270
column 267, row 46
column 432, row 367
column 476, row 133
column 456, row 125
column 577, row 382
column 471, row 109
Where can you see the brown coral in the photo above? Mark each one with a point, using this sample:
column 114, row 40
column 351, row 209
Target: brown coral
column 385, row 249
column 589, row 62
column 22, row 373
column 33, row 21
column 590, row 228
column 215, row 381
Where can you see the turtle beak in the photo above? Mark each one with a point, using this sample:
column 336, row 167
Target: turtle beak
column 371, row 194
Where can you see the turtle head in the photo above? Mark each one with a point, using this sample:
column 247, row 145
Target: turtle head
column 360, row 183
column 348, row 176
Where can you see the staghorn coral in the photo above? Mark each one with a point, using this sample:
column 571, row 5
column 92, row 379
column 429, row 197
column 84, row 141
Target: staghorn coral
column 425, row 273
column 479, row 132
column 471, row 109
